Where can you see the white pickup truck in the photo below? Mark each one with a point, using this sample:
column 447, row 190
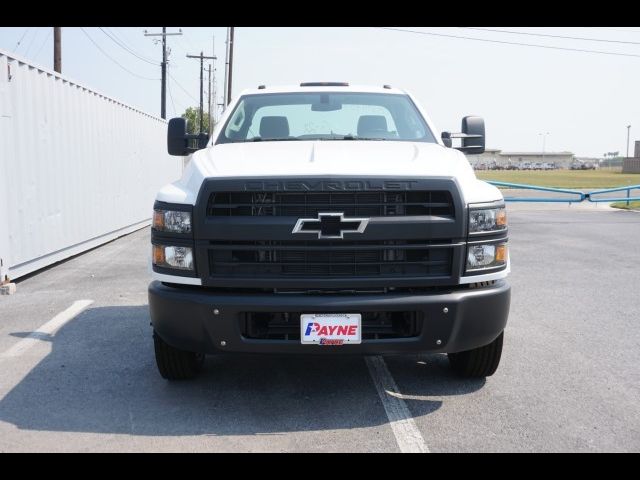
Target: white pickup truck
column 328, row 219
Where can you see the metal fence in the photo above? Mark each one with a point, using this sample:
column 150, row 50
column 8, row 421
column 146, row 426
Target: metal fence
column 77, row 168
column 570, row 196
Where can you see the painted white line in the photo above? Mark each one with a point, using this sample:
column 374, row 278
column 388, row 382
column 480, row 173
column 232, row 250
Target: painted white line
column 404, row 428
column 48, row 328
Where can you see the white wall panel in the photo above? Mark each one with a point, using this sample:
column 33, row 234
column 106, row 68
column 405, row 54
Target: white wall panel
column 77, row 168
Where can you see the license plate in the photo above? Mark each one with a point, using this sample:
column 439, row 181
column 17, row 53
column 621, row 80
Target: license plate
column 330, row 328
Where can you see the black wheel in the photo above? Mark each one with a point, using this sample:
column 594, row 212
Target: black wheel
column 176, row 364
column 479, row 362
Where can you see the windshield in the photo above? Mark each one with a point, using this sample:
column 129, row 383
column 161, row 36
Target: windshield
column 325, row 116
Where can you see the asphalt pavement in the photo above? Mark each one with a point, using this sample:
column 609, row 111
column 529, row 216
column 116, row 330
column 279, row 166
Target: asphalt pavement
column 569, row 379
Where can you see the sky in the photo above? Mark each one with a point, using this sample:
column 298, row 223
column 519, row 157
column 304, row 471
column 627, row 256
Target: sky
column 576, row 101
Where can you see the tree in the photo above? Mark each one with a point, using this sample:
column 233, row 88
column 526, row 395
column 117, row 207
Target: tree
column 192, row 115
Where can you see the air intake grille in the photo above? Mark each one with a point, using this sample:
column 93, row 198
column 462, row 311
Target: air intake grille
column 286, row 326
column 314, row 259
column 367, row 204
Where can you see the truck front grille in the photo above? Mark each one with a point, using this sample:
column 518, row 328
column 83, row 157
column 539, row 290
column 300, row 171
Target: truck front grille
column 323, row 259
column 369, row 204
column 286, row 326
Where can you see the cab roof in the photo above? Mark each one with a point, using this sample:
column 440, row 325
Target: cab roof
column 322, row 87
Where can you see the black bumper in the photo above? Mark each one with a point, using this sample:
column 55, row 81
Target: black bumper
column 185, row 319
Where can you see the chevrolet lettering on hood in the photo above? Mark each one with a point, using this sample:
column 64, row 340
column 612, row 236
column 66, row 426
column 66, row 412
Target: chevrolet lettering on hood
column 330, row 186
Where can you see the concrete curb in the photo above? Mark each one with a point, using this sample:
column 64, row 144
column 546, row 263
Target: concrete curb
column 8, row 289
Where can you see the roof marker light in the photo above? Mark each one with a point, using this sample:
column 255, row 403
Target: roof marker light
column 324, row 84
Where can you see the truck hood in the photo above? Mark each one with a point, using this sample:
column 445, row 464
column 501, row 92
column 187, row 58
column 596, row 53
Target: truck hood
column 325, row 158
column 330, row 158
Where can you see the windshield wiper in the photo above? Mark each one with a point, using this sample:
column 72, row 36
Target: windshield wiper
column 352, row 137
column 260, row 139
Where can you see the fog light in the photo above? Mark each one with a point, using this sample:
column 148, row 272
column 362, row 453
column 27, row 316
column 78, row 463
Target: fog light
column 173, row 257
column 486, row 256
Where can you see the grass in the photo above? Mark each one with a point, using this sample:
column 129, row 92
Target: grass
column 592, row 179
column 632, row 205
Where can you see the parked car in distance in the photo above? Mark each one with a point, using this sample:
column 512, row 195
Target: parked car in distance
column 549, row 166
column 525, row 166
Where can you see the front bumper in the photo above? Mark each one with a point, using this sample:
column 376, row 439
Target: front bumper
column 185, row 319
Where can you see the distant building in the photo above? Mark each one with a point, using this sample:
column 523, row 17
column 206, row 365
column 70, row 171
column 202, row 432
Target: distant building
column 560, row 159
column 632, row 164
column 494, row 156
column 489, row 156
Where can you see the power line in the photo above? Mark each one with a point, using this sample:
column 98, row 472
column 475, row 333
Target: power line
column 126, row 48
column 43, row 44
column 126, row 45
column 549, row 35
column 15, row 49
column 189, row 42
column 175, row 112
column 115, row 61
column 509, row 43
column 181, row 87
column 182, row 45
column 31, row 42
column 617, row 29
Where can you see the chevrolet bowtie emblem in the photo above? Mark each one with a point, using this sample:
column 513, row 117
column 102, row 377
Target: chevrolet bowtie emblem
column 330, row 225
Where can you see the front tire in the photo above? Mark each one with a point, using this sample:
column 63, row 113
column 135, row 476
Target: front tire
column 479, row 362
column 176, row 364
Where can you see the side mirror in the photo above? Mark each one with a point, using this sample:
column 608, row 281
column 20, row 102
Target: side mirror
column 446, row 139
column 202, row 140
column 472, row 136
column 473, row 129
column 179, row 142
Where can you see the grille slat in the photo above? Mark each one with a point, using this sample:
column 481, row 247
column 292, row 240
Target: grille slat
column 276, row 258
column 310, row 264
column 369, row 204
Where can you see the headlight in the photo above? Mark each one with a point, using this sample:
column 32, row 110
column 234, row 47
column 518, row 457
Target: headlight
column 487, row 220
column 486, row 256
column 172, row 221
column 173, row 257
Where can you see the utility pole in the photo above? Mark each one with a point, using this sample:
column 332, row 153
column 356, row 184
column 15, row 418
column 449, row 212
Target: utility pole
column 201, row 57
column 214, row 106
column 229, row 84
column 163, row 66
column 544, row 138
column 57, row 49
column 163, row 88
column 628, row 128
column 209, row 102
column 226, row 70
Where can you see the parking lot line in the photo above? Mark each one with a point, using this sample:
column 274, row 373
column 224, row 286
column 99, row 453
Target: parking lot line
column 48, row 328
column 404, row 428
